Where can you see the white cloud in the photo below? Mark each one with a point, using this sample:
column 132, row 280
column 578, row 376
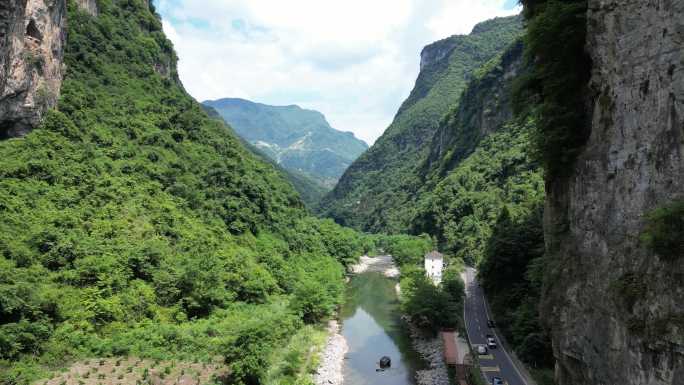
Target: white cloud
column 353, row 60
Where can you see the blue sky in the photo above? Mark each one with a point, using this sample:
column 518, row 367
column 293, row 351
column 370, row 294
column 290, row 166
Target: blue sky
column 353, row 60
column 511, row 4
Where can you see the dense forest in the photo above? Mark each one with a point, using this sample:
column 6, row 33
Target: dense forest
column 132, row 223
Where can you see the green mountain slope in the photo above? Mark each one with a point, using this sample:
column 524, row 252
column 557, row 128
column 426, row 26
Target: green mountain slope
column 132, row 223
column 479, row 162
column 379, row 190
column 309, row 189
column 300, row 140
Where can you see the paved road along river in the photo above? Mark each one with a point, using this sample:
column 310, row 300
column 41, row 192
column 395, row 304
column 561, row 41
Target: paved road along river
column 497, row 363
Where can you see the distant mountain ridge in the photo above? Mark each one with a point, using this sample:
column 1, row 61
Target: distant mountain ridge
column 379, row 192
column 299, row 140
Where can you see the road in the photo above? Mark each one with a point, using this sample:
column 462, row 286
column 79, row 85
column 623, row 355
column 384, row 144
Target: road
column 497, row 362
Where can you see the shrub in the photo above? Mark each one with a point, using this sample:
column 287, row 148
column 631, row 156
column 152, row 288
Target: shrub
column 664, row 232
column 554, row 91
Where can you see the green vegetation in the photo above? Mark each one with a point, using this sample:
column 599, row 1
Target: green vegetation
column 462, row 208
column 378, row 191
column 132, row 223
column 664, row 233
column 432, row 307
column 299, row 140
column 555, row 88
column 543, row 376
column 629, row 288
column 405, row 249
column 308, row 188
column 512, row 274
column 293, row 363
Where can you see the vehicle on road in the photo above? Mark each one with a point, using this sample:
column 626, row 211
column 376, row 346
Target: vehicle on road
column 497, row 381
column 491, row 343
column 490, row 323
column 481, row 349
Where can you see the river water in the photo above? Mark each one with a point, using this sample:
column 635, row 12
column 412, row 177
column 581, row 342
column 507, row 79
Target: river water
column 373, row 328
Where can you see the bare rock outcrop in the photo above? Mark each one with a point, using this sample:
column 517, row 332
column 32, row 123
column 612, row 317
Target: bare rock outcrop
column 89, row 6
column 614, row 306
column 32, row 38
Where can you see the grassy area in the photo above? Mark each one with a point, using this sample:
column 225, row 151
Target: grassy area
column 297, row 361
column 133, row 370
column 292, row 364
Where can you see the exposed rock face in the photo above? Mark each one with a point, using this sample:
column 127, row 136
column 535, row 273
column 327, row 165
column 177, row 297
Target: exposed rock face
column 436, row 52
column 485, row 108
column 89, row 6
column 614, row 307
column 32, row 37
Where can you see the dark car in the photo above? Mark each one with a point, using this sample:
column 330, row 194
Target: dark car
column 497, row 381
column 490, row 323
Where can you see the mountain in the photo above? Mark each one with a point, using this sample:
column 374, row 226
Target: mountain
column 134, row 224
column 609, row 103
column 457, row 164
column 379, row 190
column 310, row 190
column 299, row 140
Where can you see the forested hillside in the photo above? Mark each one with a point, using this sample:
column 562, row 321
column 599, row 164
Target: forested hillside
column 132, row 223
column 299, row 140
column 310, row 190
column 480, row 162
column 378, row 192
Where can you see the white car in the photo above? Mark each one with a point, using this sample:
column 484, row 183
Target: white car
column 491, row 343
column 481, row 349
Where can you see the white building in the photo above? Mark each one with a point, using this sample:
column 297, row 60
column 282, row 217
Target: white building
column 434, row 264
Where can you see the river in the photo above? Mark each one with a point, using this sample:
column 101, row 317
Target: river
column 372, row 326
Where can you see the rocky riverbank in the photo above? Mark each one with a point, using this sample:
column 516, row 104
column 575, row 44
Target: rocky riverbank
column 432, row 351
column 383, row 264
column 329, row 371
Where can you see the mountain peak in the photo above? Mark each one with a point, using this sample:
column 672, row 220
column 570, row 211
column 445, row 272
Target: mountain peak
column 300, row 140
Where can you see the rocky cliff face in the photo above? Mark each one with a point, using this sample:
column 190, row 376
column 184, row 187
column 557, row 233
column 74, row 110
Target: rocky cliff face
column 436, row 52
column 614, row 306
column 485, row 108
column 32, row 38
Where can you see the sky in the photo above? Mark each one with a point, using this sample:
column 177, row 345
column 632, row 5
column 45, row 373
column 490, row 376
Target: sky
column 353, row 60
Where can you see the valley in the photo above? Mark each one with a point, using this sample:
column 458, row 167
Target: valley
column 520, row 220
column 301, row 141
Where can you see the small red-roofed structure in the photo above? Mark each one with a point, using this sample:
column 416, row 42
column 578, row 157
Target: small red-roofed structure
column 454, row 358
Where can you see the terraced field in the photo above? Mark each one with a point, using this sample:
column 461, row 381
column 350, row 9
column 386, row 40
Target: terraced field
column 131, row 370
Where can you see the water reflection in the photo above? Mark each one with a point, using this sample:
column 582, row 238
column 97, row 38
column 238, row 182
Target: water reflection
column 373, row 328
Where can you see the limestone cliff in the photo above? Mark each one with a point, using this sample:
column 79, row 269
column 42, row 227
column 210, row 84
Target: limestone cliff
column 614, row 306
column 485, row 108
column 32, row 38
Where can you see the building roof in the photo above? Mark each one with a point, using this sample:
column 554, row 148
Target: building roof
column 451, row 356
column 434, row 255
